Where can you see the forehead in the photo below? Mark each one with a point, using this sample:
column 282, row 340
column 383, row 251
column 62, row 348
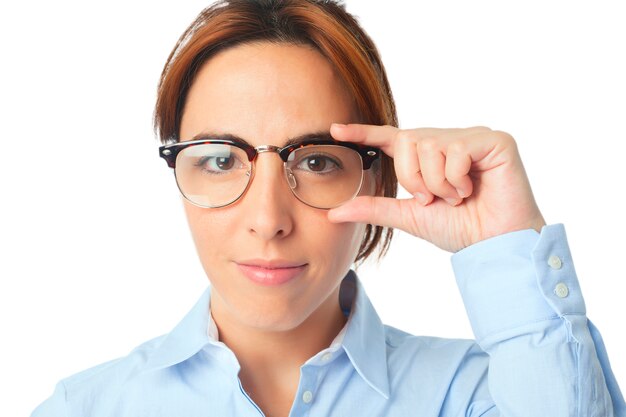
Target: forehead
column 266, row 93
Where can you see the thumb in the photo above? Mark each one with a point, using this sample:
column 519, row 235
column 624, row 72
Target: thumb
column 380, row 211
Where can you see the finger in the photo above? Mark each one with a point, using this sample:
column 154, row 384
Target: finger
column 432, row 160
column 486, row 149
column 381, row 137
column 478, row 151
column 458, row 165
column 407, row 168
column 380, row 211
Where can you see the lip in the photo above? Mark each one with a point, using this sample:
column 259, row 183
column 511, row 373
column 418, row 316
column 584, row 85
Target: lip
column 271, row 272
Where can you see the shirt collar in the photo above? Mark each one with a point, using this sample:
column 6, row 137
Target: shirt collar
column 362, row 338
column 186, row 339
column 364, row 341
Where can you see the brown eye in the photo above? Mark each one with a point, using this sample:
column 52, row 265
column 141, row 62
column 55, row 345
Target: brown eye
column 319, row 163
column 316, row 164
column 224, row 163
column 220, row 164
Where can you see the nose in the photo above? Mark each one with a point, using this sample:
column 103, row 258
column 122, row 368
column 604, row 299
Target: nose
column 268, row 201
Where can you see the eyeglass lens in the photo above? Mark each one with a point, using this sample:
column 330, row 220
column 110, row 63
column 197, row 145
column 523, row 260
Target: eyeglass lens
column 322, row 176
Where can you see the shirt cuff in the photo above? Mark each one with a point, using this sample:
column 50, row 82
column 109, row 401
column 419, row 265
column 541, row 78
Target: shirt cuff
column 517, row 278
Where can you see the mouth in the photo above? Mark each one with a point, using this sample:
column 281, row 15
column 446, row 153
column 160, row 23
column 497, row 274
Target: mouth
column 271, row 273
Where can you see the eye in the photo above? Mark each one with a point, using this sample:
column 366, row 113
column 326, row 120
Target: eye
column 218, row 165
column 319, row 163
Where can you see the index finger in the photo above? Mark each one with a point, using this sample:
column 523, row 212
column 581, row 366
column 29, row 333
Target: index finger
column 381, row 137
column 384, row 136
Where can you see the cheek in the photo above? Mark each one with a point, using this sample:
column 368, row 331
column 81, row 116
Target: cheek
column 335, row 244
column 207, row 228
column 330, row 246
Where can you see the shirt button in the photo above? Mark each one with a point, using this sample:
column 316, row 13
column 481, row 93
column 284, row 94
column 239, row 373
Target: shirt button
column 561, row 290
column 327, row 356
column 307, row 397
column 555, row 262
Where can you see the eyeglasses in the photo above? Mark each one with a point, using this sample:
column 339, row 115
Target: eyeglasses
column 321, row 173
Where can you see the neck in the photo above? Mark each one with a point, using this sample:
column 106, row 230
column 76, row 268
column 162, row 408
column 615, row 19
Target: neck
column 271, row 359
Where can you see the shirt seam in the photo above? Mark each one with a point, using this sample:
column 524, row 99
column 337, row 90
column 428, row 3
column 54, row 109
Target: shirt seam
column 65, row 407
column 539, row 320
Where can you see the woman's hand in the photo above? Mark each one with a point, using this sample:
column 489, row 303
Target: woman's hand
column 468, row 184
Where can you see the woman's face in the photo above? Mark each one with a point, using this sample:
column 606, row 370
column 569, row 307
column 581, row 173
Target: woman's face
column 266, row 93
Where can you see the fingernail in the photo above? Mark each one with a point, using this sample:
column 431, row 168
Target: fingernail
column 421, row 198
column 453, row 201
column 461, row 192
column 339, row 125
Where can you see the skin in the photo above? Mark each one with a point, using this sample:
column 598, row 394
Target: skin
column 468, row 185
column 266, row 94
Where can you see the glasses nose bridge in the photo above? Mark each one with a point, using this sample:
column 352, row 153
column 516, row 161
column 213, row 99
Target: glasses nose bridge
column 291, row 180
column 268, row 148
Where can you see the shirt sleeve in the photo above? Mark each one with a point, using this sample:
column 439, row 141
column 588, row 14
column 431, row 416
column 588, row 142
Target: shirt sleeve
column 55, row 406
column 527, row 312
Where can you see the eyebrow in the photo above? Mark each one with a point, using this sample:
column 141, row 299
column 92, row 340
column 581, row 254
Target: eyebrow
column 307, row 137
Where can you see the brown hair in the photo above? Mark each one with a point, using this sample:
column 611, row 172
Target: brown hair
column 322, row 24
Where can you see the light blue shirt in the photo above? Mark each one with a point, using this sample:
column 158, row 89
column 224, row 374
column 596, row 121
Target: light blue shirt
column 535, row 354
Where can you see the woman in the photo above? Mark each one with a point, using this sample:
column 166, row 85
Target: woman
column 286, row 328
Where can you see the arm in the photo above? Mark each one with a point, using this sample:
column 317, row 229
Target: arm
column 472, row 197
column 528, row 314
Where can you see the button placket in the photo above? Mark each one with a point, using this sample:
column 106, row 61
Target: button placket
column 310, row 377
column 560, row 290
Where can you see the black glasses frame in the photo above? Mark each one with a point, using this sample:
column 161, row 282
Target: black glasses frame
column 170, row 152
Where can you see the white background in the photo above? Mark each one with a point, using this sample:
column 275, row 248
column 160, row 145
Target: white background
column 95, row 252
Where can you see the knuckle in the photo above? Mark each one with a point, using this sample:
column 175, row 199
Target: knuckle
column 404, row 135
column 428, row 144
column 457, row 147
column 504, row 137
